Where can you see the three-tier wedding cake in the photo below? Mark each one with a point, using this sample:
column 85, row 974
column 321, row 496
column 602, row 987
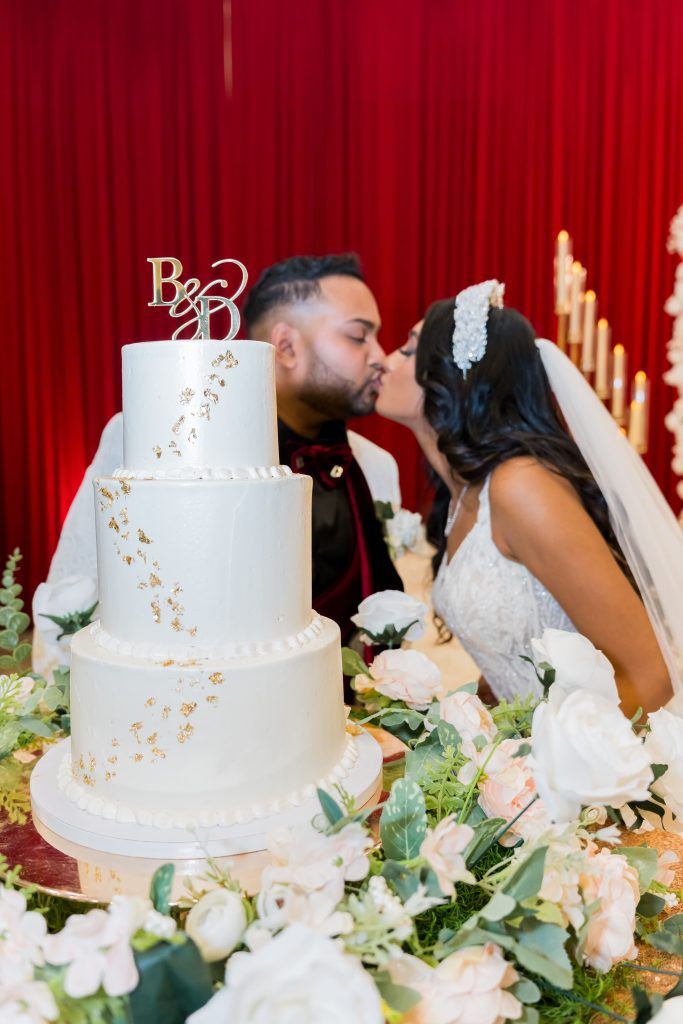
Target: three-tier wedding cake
column 208, row 694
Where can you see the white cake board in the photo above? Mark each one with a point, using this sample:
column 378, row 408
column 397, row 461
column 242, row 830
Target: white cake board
column 64, row 820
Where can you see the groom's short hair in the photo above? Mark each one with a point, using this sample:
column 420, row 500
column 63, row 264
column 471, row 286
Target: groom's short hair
column 296, row 279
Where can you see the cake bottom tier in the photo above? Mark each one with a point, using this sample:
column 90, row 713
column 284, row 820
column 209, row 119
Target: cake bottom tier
column 203, row 743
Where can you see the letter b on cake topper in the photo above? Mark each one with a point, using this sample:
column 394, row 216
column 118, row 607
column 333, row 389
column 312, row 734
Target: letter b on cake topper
column 193, row 301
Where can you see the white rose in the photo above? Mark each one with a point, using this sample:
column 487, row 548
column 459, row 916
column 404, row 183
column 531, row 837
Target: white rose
column 578, row 664
column 443, row 848
column 297, row 976
column 408, row 676
column 672, row 1009
column 585, row 752
column 391, row 608
column 216, row 923
column 403, row 531
column 70, row 594
column 664, row 745
column 470, row 717
column 279, row 905
column 22, row 930
column 468, row 987
column 609, row 880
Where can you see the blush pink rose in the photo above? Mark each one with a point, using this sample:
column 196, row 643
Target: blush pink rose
column 609, row 879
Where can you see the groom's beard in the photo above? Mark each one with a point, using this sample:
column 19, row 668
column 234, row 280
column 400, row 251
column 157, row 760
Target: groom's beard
column 337, row 398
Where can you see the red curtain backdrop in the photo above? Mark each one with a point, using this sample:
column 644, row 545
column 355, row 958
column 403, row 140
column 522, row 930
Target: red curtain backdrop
column 444, row 140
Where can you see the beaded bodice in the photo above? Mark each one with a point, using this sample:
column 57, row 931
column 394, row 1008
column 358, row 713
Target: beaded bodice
column 495, row 607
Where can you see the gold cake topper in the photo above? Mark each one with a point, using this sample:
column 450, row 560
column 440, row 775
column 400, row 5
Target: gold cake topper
column 194, row 301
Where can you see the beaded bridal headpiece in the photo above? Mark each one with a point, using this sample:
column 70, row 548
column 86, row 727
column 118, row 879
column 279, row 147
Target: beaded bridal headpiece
column 470, row 315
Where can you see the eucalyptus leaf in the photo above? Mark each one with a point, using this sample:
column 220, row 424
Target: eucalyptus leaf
column 528, row 878
column 19, row 621
column 424, row 755
column 17, row 604
column 403, row 823
column 483, row 837
column 650, row 905
column 398, row 997
column 540, row 948
column 499, row 906
column 9, row 639
column 7, row 663
column 331, row 809
column 352, row 663
column 5, row 616
column 21, row 653
column 37, row 726
column 404, row 880
column 644, row 860
column 160, row 887
column 669, row 938
column 448, row 734
column 526, row 991
column 52, row 697
column 174, row 983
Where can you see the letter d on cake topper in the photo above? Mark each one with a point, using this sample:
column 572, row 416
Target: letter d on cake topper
column 191, row 300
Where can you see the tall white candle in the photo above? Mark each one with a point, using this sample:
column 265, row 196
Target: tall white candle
column 561, row 258
column 619, row 384
column 602, row 360
column 588, row 351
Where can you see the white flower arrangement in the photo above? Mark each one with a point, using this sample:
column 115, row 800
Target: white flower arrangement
column 497, row 817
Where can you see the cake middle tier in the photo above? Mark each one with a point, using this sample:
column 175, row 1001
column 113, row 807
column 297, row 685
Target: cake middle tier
column 203, row 566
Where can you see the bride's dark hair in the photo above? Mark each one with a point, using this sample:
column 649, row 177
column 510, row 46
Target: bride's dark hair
column 503, row 408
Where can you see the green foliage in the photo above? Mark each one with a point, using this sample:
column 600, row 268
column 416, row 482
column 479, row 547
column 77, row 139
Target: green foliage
column 669, row 937
column 15, row 800
column 73, row 621
column 403, row 823
column 352, row 663
column 174, row 982
column 160, row 887
column 513, row 718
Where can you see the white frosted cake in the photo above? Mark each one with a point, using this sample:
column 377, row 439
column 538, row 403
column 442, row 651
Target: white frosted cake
column 208, row 692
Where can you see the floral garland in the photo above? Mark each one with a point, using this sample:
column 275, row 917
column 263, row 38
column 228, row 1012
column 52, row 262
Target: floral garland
column 493, row 888
column 674, row 376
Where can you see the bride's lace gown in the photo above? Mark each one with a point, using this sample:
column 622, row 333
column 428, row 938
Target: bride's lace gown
column 495, row 607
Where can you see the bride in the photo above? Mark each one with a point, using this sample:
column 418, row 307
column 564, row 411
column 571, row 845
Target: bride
column 525, row 538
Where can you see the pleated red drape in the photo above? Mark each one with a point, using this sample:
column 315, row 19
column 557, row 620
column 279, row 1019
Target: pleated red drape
column 444, row 140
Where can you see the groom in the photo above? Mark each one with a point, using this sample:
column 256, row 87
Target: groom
column 323, row 321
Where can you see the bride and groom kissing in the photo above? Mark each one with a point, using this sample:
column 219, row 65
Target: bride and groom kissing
column 533, row 526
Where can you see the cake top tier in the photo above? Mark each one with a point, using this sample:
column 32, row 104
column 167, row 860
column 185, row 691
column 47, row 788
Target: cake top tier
column 190, row 406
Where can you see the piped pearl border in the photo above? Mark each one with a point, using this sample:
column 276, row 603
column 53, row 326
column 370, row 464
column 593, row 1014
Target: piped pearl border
column 245, row 649
column 113, row 810
column 205, row 473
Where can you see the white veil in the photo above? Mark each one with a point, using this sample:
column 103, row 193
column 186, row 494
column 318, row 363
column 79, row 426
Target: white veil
column 646, row 528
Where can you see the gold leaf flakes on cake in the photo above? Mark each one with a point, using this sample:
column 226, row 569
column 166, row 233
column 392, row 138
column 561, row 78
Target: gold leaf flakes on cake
column 230, row 360
column 192, row 631
column 217, row 361
column 154, row 580
column 211, row 395
column 156, row 565
column 219, row 380
column 143, row 585
column 156, row 611
column 93, row 763
column 158, row 752
column 187, row 708
column 212, row 700
column 166, row 711
column 113, row 525
column 81, row 763
column 113, row 759
column 204, row 411
column 175, row 605
column 165, row 664
column 125, row 486
column 128, row 559
column 126, row 535
column 175, row 449
column 138, row 757
column 106, row 493
column 186, row 396
column 135, row 728
column 176, row 624
column 143, row 538
column 108, row 776
column 176, row 589
column 141, row 554
column 152, row 739
column 124, row 516
column 157, row 451
column 115, row 743
column 185, row 732
column 88, row 780
column 192, row 436
column 216, row 678
column 150, row 702
column 178, row 424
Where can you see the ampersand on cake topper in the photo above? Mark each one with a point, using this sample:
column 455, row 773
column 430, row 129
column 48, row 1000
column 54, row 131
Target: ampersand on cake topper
column 191, row 299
